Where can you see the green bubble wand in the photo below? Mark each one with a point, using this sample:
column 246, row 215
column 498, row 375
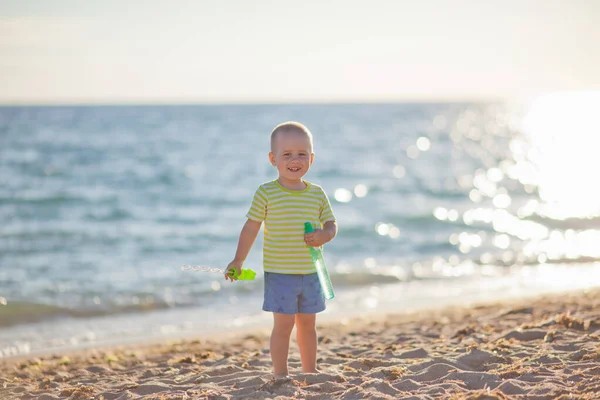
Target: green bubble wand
column 247, row 274
column 317, row 257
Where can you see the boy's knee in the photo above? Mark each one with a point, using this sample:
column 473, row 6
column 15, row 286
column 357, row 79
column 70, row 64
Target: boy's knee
column 284, row 325
column 305, row 321
column 285, row 330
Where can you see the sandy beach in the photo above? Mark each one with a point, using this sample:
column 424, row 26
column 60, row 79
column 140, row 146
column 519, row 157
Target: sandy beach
column 541, row 348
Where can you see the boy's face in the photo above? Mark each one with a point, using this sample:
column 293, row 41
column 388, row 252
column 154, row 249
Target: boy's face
column 292, row 155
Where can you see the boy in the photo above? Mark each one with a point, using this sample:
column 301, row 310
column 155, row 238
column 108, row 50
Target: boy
column 292, row 290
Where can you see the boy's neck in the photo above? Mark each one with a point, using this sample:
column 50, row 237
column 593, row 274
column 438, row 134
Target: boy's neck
column 292, row 185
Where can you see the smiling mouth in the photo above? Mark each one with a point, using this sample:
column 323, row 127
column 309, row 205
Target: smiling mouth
column 294, row 169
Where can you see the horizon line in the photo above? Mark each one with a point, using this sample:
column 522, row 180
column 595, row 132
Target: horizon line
column 239, row 102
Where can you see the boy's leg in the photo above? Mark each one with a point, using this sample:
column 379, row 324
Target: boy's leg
column 280, row 342
column 306, row 334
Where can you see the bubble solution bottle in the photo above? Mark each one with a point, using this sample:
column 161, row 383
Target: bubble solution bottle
column 317, row 256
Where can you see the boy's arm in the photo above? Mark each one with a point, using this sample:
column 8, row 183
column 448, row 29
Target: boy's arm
column 245, row 242
column 330, row 228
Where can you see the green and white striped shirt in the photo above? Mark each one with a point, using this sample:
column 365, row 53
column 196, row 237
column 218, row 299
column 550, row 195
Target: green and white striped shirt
column 284, row 213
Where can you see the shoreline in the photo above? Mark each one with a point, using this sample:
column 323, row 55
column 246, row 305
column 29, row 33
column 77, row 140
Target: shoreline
column 65, row 335
column 542, row 347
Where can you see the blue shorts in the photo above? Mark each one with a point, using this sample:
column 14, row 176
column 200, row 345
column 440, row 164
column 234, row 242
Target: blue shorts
column 293, row 294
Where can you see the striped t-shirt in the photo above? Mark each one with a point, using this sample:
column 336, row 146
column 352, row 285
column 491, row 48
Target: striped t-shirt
column 284, row 213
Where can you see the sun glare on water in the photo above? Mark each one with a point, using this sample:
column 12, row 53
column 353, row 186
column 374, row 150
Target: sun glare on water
column 562, row 157
column 552, row 151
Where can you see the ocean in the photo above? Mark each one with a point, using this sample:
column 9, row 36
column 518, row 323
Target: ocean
column 437, row 204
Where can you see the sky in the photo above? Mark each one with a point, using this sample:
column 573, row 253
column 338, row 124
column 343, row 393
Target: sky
column 239, row 51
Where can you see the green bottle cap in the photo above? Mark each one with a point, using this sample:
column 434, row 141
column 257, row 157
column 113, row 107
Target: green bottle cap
column 308, row 228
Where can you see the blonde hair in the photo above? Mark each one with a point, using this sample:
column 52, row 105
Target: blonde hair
column 290, row 126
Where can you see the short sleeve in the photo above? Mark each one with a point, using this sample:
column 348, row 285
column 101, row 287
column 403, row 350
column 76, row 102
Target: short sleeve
column 326, row 211
column 258, row 208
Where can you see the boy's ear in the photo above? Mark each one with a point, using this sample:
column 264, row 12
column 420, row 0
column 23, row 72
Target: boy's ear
column 312, row 158
column 272, row 158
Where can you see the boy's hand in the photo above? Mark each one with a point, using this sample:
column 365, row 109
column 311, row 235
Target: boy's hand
column 233, row 265
column 317, row 238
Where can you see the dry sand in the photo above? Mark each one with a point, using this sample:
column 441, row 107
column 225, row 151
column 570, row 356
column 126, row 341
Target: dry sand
column 543, row 348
